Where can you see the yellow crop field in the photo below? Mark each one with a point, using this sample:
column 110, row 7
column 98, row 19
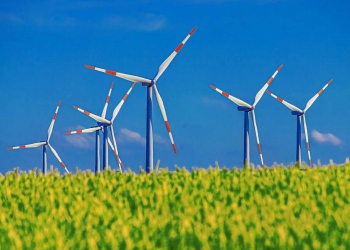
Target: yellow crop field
column 271, row 208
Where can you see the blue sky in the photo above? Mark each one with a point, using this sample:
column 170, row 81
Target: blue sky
column 238, row 45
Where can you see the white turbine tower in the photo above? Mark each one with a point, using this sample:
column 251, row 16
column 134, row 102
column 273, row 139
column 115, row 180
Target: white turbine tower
column 151, row 86
column 45, row 143
column 300, row 114
column 247, row 108
column 103, row 124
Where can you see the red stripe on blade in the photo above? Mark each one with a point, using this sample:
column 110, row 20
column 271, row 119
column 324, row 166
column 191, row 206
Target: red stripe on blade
column 280, row 67
column 126, row 96
column 86, row 112
column 167, row 126
column 269, row 81
column 307, row 146
column 63, row 164
column 268, row 92
column 320, row 92
column 111, row 72
column 54, row 116
column 280, row 99
column 225, row 94
column 9, row 148
column 193, row 30
column 179, row 47
column 89, row 67
column 174, row 147
column 79, row 131
column 259, row 148
column 107, row 100
column 22, row 146
column 212, row 86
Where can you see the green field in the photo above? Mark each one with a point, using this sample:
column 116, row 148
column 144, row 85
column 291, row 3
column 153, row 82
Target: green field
column 276, row 208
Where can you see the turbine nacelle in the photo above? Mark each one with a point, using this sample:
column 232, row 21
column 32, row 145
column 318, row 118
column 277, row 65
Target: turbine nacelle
column 245, row 109
column 297, row 113
column 148, row 84
column 103, row 124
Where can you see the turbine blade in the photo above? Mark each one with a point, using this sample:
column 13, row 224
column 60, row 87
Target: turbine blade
column 257, row 138
column 313, row 99
column 267, row 84
column 232, row 98
column 112, row 147
column 287, row 104
column 107, row 101
column 58, row 158
column 120, row 75
column 167, row 61
column 95, row 117
column 119, row 106
column 87, row 130
column 110, row 144
column 32, row 145
column 162, row 110
column 49, row 131
column 307, row 140
column 116, row 148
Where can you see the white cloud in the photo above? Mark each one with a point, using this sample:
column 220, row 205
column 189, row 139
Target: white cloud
column 129, row 136
column 9, row 17
column 225, row 1
column 42, row 20
column 159, row 139
column 81, row 140
column 215, row 102
column 325, row 138
column 144, row 22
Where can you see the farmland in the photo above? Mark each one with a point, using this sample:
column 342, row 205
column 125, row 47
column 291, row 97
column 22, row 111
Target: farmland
column 271, row 208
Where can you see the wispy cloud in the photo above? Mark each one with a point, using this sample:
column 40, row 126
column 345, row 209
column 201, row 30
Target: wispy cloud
column 159, row 139
column 10, row 17
column 129, row 136
column 215, row 102
column 80, row 140
column 143, row 22
column 146, row 22
column 225, row 1
column 76, row 5
column 325, row 138
column 38, row 19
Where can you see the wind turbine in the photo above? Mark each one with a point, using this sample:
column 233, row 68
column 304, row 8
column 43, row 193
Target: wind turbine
column 103, row 124
column 45, row 143
column 151, row 86
column 300, row 114
column 246, row 108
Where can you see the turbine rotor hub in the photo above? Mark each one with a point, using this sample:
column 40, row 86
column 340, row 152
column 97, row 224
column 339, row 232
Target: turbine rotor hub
column 245, row 109
column 102, row 124
column 148, row 84
column 297, row 113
